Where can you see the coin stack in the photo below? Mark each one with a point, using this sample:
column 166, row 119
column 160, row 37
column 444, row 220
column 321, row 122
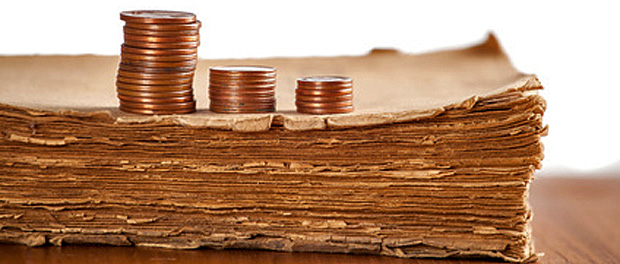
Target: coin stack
column 242, row 89
column 324, row 95
column 158, row 59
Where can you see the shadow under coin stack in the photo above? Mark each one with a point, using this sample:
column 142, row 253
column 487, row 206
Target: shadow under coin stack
column 158, row 60
column 324, row 95
column 242, row 89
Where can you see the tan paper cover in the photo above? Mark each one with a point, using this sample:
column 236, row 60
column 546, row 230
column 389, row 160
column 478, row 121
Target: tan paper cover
column 388, row 86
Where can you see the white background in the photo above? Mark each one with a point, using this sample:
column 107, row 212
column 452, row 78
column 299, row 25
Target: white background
column 573, row 47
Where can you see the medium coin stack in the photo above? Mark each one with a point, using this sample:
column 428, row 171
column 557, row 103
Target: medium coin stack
column 158, row 59
column 324, row 95
column 242, row 89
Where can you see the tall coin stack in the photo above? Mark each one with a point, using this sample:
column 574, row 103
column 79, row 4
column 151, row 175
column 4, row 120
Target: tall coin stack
column 324, row 95
column 158, row 59
column 242, row 89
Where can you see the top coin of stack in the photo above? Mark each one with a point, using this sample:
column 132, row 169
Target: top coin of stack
column 242, row 89
column 158, row 59
column 324, row 95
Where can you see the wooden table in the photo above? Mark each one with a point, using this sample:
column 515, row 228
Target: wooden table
column 575, row 221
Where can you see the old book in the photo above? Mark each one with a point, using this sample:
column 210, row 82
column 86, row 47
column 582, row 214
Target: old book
column 435, row 161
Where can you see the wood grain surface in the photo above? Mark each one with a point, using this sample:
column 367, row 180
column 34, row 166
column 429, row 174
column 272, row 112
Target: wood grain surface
column 575, row 221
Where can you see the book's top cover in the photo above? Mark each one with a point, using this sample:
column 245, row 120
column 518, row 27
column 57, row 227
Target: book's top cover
column 389, row 87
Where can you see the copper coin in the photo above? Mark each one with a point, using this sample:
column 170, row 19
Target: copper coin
column 248, row 86
column 244, row 94
column 165, row 87
column 154, row 82
column 219, row 80
column 339, row 98
column 157, row 112
column 155, row 76
column 249, row 99
column 246, row 106
column 248, row 83
column 255, row 92
column 242, row 87
column 264, row 107
column 236, row 76
column 153, row 88
column 172, row 33
column 242, row 76
column 165, row 106
column 233, row 89
column 240, row 110
column 340, row 92
column 241, row 100
column 232, row 110
column 323, row 104
column 156, row 100
column 260, row 94
column 325, row 87
column 225, row 80
column 158, row 16
column 142, row 57
column 158, row 64
column 242, row 106
column 327, row 83
column 143, row 69
column 157, row 52
column 318, row 80
column 155, row 94
column 165, row 27
column 243, row 103
column 151, row 45
column 156, row 39
column 325, row 111
column 242, row 70
column 236, row 85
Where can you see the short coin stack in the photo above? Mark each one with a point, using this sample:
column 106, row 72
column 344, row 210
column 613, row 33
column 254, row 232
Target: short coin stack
column 242, row 89
column 324, row 95
column 158, row 59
